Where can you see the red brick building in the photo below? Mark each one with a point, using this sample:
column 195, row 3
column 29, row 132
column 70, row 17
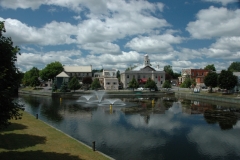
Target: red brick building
column 196, row 74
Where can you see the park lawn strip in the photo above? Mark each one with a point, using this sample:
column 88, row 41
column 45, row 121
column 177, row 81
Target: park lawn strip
column 29, row 135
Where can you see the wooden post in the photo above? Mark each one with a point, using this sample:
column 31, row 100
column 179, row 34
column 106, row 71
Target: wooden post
column 93, row 146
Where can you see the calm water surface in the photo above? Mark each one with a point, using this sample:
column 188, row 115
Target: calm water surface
column 169, row 128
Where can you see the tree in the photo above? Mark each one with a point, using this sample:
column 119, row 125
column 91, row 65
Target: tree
column 176, row 75
column 168, row 70
column 95, row 84
column 133, row 83
column 87, row 81
column 64, row 87
column 150, row 84
column 28, row 79
column 118, row 74
column 210, row 67
column 74, row 84
column 234, row 67
column 188, row 82
column 51, row 71
column 227, row 80
column 34, row 81
column 9, row 81
column 167, row 84
column 211, row 80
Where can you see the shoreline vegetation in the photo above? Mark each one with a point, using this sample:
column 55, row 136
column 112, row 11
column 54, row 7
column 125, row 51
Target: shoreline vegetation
column 30, row 138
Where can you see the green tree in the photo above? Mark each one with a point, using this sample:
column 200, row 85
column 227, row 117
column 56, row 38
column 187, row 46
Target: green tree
column 210, row 67
column 188, row 82
column 54, row 85
column 211, row 80
column 167, row 84
column 133, row 83
column 35, row 81
column 87, row 81
column 95, row 84
column 176, row 75
column 168, row 70
column 234, row 67
column 74, row 84
column 150, row 84
column 64, row 87
column 9, row 80
column 51, row 71
column 227, row 80
column 28, row 79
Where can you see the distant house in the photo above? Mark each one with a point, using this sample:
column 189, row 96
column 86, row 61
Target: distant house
column 107, row 79
column 196, row 74
column 110, row 81
column 70, row 71
column 143, row 73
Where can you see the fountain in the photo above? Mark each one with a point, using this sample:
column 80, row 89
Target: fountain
column 99, row 99
column 86, row 98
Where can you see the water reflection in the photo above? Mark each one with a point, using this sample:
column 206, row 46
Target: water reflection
column 147, row 128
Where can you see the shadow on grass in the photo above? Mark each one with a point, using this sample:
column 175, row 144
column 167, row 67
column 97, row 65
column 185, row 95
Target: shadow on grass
column 14, row 126
column 36, row 155
column 17, row 141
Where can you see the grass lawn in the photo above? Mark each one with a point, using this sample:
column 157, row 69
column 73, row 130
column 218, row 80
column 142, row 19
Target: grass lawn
column 30, row 138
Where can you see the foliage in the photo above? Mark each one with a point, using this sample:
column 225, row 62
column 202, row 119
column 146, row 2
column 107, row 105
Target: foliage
column 168, row 77
column 234, row 67
column 87, row 80
column 28, row 79
column 51, row 71
column 54, row 85
column 150, row 84
column 210, row 67
column 64, row 87
column 133, row 83
column 227, row 80
column 74, row 84
column 9, row 80
column 187, row 83
column 118, row 74
column 170, row 74
column 34, row 81
column 211, row 80
column 168, row 70
column 95, row 84
column 176, row 75
column 167, row 84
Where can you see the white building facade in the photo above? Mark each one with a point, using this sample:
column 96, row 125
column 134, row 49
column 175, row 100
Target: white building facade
column 143, row 73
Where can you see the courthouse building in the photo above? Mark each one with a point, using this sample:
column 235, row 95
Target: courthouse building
column 143, row 73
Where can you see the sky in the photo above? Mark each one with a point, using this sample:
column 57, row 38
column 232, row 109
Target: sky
column 116, row 34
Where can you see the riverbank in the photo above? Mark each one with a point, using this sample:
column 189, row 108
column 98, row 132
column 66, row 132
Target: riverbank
column 188, row 94
column 215, row 96
column 30, row 138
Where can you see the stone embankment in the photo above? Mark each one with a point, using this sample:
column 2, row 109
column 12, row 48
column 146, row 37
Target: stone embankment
column 235, row 98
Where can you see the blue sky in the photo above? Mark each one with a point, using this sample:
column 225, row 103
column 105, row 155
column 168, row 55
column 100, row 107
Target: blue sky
column 118, row 33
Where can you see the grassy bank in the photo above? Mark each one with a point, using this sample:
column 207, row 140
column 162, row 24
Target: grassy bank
column 30, row 138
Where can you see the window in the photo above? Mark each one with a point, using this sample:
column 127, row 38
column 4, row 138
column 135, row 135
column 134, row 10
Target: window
column 143, row 76
column 108, row 83
column 161, row 82
column 114, row 83
column 127, row 76
column 139, row 76
column 156, row 76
